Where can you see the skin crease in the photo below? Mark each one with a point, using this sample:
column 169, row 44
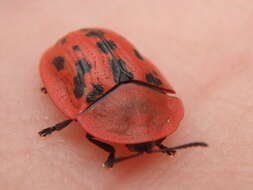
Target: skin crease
column 204, row 48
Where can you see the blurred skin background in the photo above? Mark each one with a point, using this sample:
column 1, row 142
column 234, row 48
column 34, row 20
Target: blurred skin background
column 204, row 48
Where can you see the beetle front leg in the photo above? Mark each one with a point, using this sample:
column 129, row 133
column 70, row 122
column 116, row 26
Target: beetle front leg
column 43, row 90
column 57, row 127
column 108, row 148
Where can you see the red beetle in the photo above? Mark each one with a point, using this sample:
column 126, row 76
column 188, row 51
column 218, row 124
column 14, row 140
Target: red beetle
column 97, row 78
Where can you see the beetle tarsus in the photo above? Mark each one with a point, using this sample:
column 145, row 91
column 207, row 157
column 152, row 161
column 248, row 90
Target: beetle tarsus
column 46, row 131
column 43, row 90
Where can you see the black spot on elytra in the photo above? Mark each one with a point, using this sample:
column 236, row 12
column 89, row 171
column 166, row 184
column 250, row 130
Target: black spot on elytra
column 119, row 71
column 106, row 46
column 137, row 54
column 82, row 67
column 97, row 91
column 102, row 47
column 78, row 86
column 95, row 33
column 111, row 44
column 152, row 79
column 76, row 48
column 58, row 63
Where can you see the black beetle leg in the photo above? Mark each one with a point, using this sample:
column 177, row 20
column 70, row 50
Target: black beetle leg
column 57, row 127
column 43, row 90
column 108, row 148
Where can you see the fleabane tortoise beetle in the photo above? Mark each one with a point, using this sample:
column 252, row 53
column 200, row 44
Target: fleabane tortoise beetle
column 99, row 79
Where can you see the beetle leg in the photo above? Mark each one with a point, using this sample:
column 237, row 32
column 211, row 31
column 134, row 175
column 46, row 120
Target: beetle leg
column 43, row 90
column 108, row 148
column 57, row 127
column 128, row 157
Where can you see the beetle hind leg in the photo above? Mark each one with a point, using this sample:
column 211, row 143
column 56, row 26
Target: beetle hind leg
column 57, row 127
column 119, row 159
column 108, row 148
column 111, row 160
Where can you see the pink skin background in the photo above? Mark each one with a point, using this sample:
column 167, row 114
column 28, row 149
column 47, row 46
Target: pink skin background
column 204, row 48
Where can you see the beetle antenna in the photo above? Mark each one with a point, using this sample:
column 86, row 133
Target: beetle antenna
column 57, row 127
column 192, row 144
column 188, row 145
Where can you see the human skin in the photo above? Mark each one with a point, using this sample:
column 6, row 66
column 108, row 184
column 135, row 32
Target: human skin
column 204, row 48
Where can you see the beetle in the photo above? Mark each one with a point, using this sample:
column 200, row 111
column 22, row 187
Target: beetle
column 100, row 80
